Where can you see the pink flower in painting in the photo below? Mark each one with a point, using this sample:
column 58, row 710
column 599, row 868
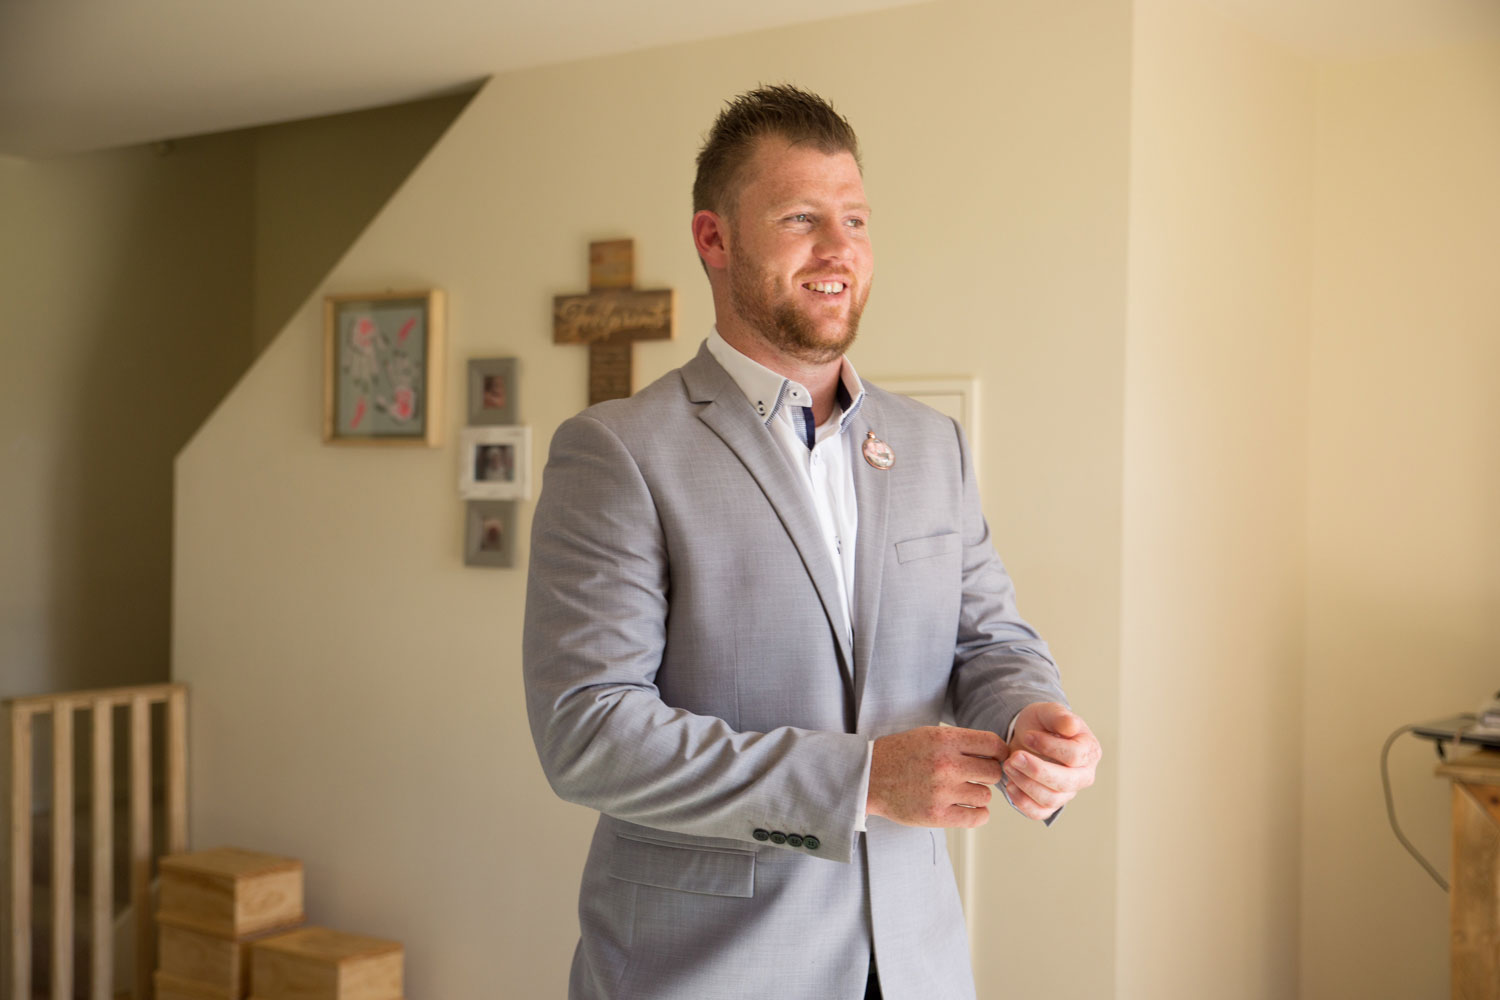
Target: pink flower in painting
column 362, row 337
column 359, row 414
column 405, row 404
column 405, row 329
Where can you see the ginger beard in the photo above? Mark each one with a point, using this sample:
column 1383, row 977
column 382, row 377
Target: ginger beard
column 774, row 314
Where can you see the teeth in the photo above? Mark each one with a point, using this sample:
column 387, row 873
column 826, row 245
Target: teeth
column 827, row 287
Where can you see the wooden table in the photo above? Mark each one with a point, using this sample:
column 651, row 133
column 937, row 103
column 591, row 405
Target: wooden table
column 1474, row 898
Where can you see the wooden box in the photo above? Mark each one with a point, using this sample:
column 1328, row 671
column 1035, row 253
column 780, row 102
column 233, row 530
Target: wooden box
column 205, row 964
column 169, row 987
column 315, row 963
column 230, row 892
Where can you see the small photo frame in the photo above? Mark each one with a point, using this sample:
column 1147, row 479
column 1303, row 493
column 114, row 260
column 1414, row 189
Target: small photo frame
column 492, row 391
column 490, row 533
column 383, row 368
column 494, row 463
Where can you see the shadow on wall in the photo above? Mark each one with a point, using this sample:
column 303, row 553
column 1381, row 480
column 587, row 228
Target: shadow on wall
column 161, row 327
column 195, row 255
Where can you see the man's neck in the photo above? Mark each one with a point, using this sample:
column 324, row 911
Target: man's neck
column 821, row 380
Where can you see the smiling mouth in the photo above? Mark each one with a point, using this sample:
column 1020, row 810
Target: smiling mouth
column 825, row 287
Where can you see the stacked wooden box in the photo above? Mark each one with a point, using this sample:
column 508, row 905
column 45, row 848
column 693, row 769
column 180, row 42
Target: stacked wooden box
column 214, row 906
column 315, row 963
column 229, row 929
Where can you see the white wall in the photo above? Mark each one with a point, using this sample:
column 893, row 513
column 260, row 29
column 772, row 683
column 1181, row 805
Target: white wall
column 1404, row 489
column 357, row 694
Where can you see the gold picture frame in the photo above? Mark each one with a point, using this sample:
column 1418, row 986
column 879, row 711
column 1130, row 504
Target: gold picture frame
column 383, row 368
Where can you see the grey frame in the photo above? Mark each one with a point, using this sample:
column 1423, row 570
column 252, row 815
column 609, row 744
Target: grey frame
column 476, row 513
column 481, row 369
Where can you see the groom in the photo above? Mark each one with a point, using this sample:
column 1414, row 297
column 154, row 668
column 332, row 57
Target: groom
column 756, row 588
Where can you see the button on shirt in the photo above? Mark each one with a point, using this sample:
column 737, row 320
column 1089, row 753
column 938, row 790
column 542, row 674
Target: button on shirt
column 819, row 453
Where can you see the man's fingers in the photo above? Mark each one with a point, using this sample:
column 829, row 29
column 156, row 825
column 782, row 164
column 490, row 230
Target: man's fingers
column 965, row 817
column 974, row 742
column 1058, row 718
column 1069, row 752
column 1025, row 804
column 985, row 770
column 1046, row 776
column 931, row 775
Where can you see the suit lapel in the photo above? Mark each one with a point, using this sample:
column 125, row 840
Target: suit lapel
column 732, row 419
column 871, row 496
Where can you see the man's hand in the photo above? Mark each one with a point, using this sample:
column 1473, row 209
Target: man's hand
column 934, row 776
column 1053, row 756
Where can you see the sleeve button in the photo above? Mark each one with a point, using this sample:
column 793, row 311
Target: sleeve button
column 761, row 835
column 811, row 843
column 793, row 840
column 777, row 837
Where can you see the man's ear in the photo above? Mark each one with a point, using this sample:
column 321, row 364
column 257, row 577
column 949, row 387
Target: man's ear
column 711, row 239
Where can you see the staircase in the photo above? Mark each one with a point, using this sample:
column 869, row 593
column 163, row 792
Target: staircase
column 79, row 907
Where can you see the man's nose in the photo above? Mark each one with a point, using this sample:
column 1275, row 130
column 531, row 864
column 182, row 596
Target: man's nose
column 834, row 241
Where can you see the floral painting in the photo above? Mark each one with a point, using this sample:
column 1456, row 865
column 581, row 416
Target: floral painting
column 382, row 368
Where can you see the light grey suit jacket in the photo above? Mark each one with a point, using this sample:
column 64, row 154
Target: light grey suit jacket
column 688, row 675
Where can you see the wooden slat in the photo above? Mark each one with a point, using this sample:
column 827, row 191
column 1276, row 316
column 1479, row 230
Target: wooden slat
column 62, row 850
column 102, row 909
column 115, row 696
column 20, row 853
column 177, row 809
column 140, row 844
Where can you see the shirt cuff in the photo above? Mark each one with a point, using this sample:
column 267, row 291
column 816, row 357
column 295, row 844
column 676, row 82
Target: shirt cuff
column 864, row 800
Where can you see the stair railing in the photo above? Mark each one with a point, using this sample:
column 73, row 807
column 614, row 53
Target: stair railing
column 100, row 706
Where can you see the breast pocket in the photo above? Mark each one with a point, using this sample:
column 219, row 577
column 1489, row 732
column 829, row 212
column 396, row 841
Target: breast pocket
column 714, row 871
column 926, row 548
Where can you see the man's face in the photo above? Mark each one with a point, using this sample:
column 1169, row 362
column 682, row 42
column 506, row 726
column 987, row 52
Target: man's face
column 799, row 258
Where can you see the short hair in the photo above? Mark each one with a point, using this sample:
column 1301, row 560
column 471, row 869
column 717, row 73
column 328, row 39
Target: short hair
column 783, row 110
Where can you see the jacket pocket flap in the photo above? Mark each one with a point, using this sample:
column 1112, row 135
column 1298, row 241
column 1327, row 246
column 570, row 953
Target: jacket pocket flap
column 924, row 548
column 709, row 870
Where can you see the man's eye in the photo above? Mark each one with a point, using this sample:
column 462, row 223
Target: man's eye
column 800, row 217
column 855, row 223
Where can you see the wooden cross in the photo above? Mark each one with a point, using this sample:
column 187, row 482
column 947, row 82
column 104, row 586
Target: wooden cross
column 611, row 317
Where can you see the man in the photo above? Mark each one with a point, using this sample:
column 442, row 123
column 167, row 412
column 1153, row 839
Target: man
column 756, row 587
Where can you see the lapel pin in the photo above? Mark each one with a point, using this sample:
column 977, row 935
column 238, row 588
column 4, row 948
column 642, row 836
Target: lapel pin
column 878, row 453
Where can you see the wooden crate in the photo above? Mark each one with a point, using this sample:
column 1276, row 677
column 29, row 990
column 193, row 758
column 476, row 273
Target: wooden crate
column 230, row 892
column 315, row 963
column 169, row 987
column 207, row 963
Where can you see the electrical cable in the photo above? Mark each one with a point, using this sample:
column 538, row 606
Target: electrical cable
column 1390, row 808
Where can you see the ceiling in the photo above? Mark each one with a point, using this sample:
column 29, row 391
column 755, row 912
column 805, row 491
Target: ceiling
column 78, row 76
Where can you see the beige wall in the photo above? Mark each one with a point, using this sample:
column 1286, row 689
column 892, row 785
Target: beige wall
column 357, row 690
column 1232, row 315
column 133, row 282
column 125, row 282
column 1404, row 489
column 318, row 183
column 1214, row 486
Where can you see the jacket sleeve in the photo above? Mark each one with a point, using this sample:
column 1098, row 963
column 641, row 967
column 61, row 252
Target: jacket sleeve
column 1000, row 663
column 598, row 597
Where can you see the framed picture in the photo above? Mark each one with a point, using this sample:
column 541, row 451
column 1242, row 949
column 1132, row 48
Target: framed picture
column 495, row 463
column 382, row 368
column 489, row 533
column 492, row 391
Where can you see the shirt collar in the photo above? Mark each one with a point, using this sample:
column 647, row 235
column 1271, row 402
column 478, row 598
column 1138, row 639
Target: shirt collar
column 768, row 392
